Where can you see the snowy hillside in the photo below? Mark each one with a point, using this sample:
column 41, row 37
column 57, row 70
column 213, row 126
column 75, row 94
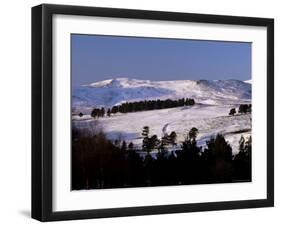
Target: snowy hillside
column 209, row 120
column 209, row 115
column 112, row 92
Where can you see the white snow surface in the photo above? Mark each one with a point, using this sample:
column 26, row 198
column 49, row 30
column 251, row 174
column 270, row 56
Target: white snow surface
column 209, row 115
column 116, row 91
column 249, row 81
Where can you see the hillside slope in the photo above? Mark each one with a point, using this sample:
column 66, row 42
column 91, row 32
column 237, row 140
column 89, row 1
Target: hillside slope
column 112, row 92
column 213, row 100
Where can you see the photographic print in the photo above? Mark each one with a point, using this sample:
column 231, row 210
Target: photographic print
column 158, row 112
column 139, row 112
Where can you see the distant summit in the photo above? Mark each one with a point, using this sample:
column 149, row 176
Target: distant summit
column 115, row 91
column 249, row 81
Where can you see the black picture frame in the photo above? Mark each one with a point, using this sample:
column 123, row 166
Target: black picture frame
column 42, row 111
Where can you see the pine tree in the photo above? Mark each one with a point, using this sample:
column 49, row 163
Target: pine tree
column 193, row 133
column 124, row 146
column 154, row 142
column 102, row 112
column 131, row 146
column 145, row 141
column 108, row 112
column 114, row 109
column 173, row 138
column 145, row 131
column 219, row 158
column 242, row 160
column 164, row 142
column 232, row 111
column 245, row 108
column 94, row 113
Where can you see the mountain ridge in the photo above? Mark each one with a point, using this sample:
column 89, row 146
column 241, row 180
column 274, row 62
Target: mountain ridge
column 110, row 92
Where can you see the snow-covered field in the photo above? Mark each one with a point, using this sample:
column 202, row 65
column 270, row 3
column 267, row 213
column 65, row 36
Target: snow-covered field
column 209, row 115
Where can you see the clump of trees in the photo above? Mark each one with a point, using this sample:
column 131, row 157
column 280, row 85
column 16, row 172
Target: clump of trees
column 243, row 109
column 150, row 143
column 99, row 163
column 98, row 112
column 242, row 161
column 145, row 105
column 232, row 111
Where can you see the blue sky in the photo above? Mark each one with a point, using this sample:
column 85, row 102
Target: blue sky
column 96, row 58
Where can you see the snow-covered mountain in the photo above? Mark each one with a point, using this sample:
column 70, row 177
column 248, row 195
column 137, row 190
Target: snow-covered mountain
column 112, row 92
column 217, row 97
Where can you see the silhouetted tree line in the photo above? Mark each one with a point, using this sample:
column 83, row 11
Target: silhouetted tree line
column 243, row 109
column 98, row 112
column 145, row 105
column 150, row 143
column 99, row 163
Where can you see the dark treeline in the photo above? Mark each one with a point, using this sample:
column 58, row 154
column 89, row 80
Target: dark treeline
column 145, row 105
column 98, row 112
column 99, row 163
column 243, row 109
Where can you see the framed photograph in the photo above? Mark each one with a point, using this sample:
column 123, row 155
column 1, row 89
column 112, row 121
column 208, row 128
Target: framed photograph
column 145, row 112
